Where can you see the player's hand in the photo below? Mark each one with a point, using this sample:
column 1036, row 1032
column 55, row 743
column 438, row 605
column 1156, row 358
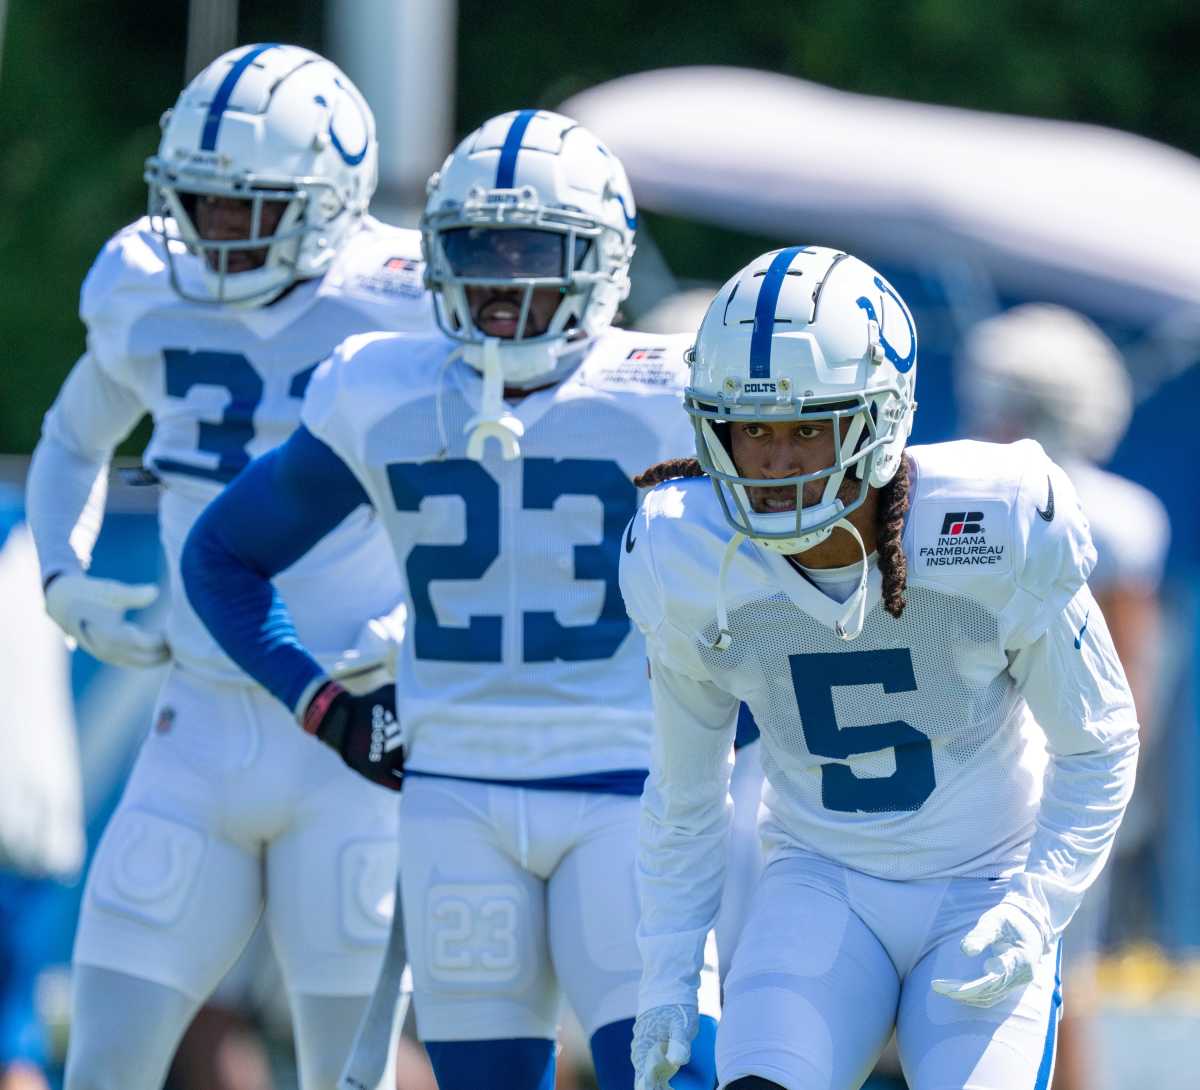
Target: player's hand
column 363, row 730
column 1016, row 945
column 92, row 612
column 371, row 662
column 662, row 1044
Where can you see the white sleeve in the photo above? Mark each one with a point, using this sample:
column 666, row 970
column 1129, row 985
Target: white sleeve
column 1073, row 683
column 68, row 476
column 684, row 829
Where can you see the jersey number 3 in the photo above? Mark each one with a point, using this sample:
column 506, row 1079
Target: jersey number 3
column 815, row 677
column 544, row 638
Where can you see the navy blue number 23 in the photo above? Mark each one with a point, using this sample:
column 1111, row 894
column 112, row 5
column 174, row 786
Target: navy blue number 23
column 815, row 677
column 544, row 639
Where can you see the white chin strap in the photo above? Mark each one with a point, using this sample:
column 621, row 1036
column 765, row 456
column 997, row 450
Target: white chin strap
column 494, row 419
column 849, row 625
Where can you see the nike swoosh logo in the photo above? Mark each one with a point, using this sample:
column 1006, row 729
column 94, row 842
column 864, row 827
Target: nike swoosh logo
column 630, row 540
column 1048, row 514
column 1079, row 638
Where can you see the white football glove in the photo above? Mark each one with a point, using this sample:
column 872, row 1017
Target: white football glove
column 662, row 1044
column 371, row 662
column 1016, row 944
column 92, row 612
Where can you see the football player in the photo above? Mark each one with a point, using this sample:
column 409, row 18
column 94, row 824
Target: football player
column 906, row 627
column 499, row 457
column 211, row 314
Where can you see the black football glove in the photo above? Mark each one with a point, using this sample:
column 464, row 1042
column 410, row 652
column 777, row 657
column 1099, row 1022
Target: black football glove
column 363, row 730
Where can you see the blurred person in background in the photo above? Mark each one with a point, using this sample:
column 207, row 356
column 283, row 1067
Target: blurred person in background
column 1048, row 373
column 41, row 807
column 211, row 314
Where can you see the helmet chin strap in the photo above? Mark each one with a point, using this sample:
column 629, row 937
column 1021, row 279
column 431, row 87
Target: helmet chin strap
column 850, row 625
column 494, row 419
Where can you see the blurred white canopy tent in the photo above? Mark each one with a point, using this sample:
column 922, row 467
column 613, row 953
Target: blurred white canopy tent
column 1087, row 216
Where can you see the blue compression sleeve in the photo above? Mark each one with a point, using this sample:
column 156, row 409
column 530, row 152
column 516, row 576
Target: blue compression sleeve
column 273, row 512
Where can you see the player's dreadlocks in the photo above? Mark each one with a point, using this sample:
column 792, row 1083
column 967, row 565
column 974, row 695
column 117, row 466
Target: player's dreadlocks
column 889, row 525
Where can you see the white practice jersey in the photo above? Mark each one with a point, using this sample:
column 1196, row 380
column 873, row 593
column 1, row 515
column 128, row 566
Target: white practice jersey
column 223, row 385
column 914, row 733
column 520, row 661
column 909, row 752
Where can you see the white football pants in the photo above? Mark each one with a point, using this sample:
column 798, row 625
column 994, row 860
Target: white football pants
column 232, row 812
column 832, row 959
column 512, row 894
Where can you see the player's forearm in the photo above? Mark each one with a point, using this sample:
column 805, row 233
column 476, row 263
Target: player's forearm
column 1077, row 691
column 684, row 831
column 64, row 502
column 277, row 509
column 68, row 477
column 1082, row 807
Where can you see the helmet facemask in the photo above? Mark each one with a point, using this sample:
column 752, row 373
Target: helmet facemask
column 508, row 240
column 863, row 438
column 310, row 207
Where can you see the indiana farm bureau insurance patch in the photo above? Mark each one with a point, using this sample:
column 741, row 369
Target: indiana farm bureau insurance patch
column 963, row 536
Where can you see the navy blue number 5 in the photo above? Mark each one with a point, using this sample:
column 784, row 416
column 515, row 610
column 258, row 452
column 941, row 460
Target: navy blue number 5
column 815, row 677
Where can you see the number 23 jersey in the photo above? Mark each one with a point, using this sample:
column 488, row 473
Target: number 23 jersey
column 224, row 384
column 519, row 662
column 908, row 752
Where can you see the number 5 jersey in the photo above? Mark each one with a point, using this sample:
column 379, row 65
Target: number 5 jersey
column 224, row 384
column 917, row 750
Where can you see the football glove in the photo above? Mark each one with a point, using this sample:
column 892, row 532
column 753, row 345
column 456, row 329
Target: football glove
column 1016, row 944
column 662, row 1044
column 362, row 729
column 92, row 613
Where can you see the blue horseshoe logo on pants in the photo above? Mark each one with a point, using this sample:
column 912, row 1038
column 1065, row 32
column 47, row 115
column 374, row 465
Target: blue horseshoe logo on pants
column 901, row 363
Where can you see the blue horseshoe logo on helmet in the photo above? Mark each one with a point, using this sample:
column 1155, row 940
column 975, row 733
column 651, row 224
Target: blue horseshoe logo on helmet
column 351, row 159
column 901, row 363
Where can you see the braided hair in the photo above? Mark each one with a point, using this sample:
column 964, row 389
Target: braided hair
column 889, row 524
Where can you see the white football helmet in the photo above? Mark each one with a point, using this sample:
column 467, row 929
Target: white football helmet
column 813, row 333
column 1048, row 373
column 263, row 123
column 530, row 200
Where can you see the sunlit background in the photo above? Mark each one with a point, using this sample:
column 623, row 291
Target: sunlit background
column 982, row 155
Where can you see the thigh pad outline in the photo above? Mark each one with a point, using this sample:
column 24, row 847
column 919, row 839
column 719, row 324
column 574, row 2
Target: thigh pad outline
column 147, row 867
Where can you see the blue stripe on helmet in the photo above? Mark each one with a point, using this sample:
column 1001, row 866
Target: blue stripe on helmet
column 216, row 108
column 507, row 170
column 764, row 311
